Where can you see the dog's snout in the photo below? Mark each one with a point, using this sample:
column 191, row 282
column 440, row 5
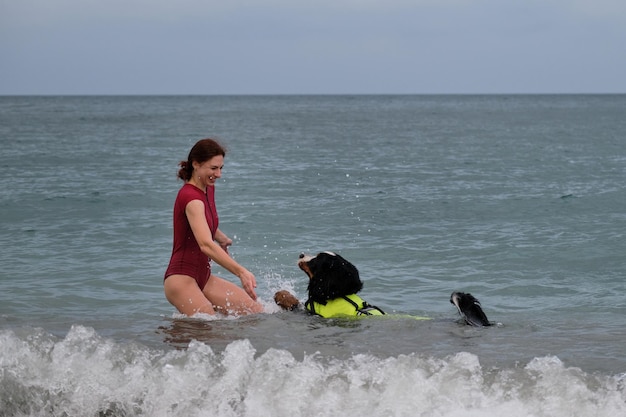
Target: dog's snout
column 301, row 256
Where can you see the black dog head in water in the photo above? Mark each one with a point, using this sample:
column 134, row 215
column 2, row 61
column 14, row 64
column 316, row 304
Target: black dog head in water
column 469, row 309
column 330, row 276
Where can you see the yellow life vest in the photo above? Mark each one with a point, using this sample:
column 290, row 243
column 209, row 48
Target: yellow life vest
column 349, row 305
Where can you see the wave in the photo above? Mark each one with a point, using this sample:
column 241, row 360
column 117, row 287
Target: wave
column 84, row 374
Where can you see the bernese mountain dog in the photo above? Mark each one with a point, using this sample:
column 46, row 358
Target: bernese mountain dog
column 333, row 286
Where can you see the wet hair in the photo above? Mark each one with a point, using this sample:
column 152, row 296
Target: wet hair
column 202, row 151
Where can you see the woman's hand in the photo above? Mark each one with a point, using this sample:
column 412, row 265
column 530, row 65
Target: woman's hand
column 223, row 240
column 248, row 282
column 225, row 245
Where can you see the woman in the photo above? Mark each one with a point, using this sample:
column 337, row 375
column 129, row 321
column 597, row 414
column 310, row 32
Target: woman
column 189, row 284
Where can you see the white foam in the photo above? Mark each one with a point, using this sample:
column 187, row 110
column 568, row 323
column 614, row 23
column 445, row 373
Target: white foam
column 84, row 374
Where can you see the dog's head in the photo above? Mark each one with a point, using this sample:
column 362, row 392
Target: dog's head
column 330, row 276
column 469, row 309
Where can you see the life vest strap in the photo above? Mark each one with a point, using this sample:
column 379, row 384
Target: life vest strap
column 365, row 309
column 310, row 305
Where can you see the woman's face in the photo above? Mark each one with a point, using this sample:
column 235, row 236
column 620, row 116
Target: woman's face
column 208, row 172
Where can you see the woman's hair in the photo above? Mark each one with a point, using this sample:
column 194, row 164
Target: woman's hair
column 202, row 151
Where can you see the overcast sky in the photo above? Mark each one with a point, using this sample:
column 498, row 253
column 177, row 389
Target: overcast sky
column 312, row 46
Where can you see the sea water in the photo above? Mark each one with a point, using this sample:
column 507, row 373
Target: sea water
column 519, row 200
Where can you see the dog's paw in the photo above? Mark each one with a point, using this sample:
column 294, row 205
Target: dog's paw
column 286, row 300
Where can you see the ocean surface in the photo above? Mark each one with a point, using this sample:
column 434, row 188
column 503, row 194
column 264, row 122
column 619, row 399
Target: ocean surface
column 519, row 200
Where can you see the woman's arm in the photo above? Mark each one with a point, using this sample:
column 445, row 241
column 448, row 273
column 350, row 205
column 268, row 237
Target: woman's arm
column 214, row 250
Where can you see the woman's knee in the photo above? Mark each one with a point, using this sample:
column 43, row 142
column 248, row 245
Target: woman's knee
column 229, row 298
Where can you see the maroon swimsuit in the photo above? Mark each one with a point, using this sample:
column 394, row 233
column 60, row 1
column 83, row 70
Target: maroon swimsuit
column 187, row 258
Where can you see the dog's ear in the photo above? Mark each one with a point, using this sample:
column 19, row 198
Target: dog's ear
column 317, row 290
column 350, row 280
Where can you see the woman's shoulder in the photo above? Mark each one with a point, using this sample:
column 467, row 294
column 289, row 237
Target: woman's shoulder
column 190, row 192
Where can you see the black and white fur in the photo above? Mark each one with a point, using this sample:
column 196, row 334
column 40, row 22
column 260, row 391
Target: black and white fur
column 330, row 276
